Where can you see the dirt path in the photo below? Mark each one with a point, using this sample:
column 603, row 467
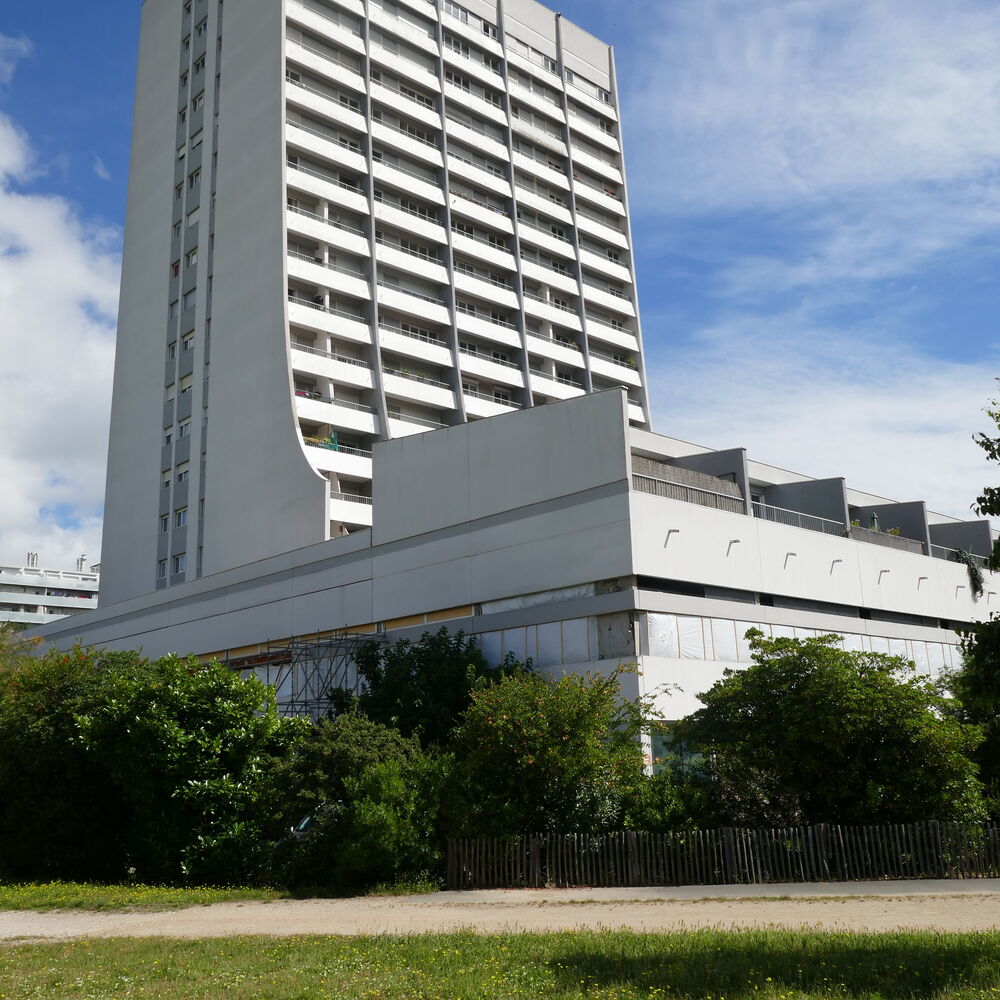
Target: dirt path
column 946, row 906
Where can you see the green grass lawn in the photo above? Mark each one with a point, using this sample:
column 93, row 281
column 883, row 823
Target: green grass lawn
column 86, row 896
column 744, row 965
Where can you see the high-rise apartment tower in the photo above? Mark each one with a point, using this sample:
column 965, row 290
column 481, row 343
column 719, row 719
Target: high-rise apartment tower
column 350, row 220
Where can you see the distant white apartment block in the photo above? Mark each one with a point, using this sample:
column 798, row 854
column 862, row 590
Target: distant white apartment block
column 350, row 221
column 31, row 595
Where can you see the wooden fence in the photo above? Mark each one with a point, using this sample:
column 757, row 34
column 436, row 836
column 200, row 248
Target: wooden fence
column 823, row 853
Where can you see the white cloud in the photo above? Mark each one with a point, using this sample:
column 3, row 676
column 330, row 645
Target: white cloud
column 12, row 51
column 58, row 299
column 765, row 102
column 101, row 169
column 824, row 403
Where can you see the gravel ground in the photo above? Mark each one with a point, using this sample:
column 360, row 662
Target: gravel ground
column 873, row 906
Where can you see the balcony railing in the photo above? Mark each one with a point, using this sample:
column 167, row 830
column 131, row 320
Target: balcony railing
column 351, row 497
column 488, row 357
column 413, row 251
column 426, row 338
column 332, row 355
column 687, row 494
column 490, row 398
column 313, row 172
column 781, row 515
column 334, row 446
column 342, row 268
column 322, row 218
column 334, row 400
column 942, row 552
column 614, row 359
column 332, row 310
column 884, row 538
column 433, row 424
column 413, row 376
column 382, row 283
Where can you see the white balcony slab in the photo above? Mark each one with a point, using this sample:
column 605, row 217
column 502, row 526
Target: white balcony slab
column 622, row 374
column 549, row 312
column 485, row 290
column 598, row 166
column 555, row 176
column 556, row 351
column 341, row 462
column 405, row 105
column 474, row 68
column 601, row 232
column 636, row 414
column 609, row 335
column 400, row 66
column 482, row 367
column 547, row 241
column 471, row 32
column 414, row 348
column 399, row 427
column 328, row 148
column 552, row 389
column 410, row 264
column 491, row 331
column 324, row 66
column 546, row 276
column 478, row 176
column 539, row 137
column 595, row 134
column 479, row 213
column 539, row 203
column 606, row 266
column 328, row 277
column 476, row 140
column 329, row 107
column 599, row 199
column 476, row 406
column 485, row 252
column 342, row 35
column 400, row 301
column 324, row 322
column 387, row 136
column 478, row 105
column 350, row 512
column 400, row 387
column 407, row 182
column 342, row 417
column 342, row 372
column 606, row 300
column 300, row 180
column 595, row 104
column 414, row 224
column 547, row 77
column 536, row 102
column 403, row 29
column 326, row 232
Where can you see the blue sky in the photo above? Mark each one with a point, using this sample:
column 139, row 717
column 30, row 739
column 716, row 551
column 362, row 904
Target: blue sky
column 816, row 209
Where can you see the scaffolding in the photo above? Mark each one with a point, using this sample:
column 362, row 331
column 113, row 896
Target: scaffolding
column 305, row 671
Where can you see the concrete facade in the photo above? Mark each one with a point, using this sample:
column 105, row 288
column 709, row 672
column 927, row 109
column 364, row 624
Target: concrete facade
column 533, row 532
column 31, row 595
column 350, row 222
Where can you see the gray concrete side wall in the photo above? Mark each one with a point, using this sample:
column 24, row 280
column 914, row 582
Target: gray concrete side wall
column 973, row 536
column 731, row 463
column 262, row 496
column 487, row 467
column 910, row 518
column 820, row 497
column 130, row 512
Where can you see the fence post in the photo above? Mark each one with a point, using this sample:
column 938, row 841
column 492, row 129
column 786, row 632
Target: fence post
column 938, row 847
column 730, row 865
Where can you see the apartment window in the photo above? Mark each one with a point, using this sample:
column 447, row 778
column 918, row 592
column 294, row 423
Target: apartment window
column 570, row 76
column 180, row 517
column 189, row 299
column 198, row 101
column 458, row 80
column 181, row 150
column 165, row 481
column 456, row 44
column 201, row 27
column 604, row 95
column 197, row 139
column 199, row 65
column 168, row 437
column 194, row 179
column 186, row 384
column 550, row 64
column 176, row 231
column 161, row 570
column 460, row 12
column 175, row 269
column 192, row 218
column 184, row 79
column 182, row 115
column 191, row 257
column 179, row 562
column 179, row 191
column 183, row 473
column 187, row 343
column 164, row 524
column 172, row 350
column 172, row 309
column 184, row 430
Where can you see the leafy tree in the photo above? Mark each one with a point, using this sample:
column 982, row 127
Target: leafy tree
column 977, row 685
column 421, row 688
column 371, row 796
column 60, row 813
column 191, row 749
column 540, row 754
column 812, row 733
